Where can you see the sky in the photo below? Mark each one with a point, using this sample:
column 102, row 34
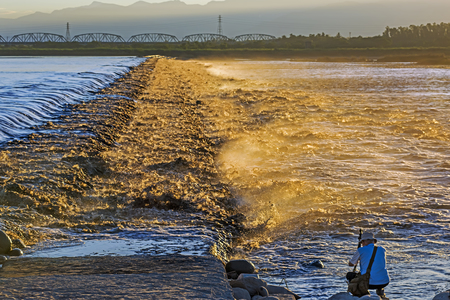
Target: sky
column 12, row 9
column 18, row 8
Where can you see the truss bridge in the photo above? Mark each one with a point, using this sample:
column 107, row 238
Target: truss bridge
column 98, row 37
column 205, row 37
column 153, row 38
column 38, row 37
column 254, row 37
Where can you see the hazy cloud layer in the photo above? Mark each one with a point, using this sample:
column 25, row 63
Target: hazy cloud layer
column 281, row 17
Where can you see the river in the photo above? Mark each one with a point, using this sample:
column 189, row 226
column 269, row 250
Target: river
column 317, row 151
column 36, row 89
column 313, row 152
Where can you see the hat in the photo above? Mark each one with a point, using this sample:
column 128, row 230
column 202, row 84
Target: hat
column 368, row 236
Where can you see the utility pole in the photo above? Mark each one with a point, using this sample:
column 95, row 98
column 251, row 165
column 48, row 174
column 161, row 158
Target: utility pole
column 219, row 29
column 68, row 32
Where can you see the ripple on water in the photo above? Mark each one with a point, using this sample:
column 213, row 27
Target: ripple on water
column 35, row 90
column 347, row 146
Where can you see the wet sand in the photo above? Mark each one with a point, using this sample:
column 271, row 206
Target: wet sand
column 136, row 155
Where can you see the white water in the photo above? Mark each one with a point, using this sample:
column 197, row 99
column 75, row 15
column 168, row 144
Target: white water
column 323, row 149
column 36, row 89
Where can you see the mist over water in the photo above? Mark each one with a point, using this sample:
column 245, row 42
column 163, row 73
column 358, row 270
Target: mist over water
column 318, row 150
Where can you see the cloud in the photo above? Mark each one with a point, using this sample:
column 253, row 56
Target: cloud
column 12, row 14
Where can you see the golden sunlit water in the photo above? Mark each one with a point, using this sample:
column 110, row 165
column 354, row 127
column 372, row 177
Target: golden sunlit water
column 317, row 151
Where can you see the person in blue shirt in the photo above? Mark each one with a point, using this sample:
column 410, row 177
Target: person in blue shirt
column 379, row 277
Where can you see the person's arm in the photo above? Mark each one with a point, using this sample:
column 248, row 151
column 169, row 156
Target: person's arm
column 354, row 260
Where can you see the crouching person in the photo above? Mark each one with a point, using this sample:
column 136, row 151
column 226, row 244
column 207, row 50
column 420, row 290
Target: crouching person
column 379, row 277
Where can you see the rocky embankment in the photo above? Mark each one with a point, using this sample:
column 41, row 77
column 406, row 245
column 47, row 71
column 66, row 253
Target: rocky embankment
column 133, row 155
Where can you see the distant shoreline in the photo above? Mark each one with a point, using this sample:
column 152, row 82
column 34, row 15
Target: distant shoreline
column 435, row 55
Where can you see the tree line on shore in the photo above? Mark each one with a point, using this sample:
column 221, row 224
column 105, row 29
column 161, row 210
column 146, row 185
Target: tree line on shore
column 429, row 35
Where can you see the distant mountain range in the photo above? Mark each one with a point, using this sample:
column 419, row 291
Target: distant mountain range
column 238, row 17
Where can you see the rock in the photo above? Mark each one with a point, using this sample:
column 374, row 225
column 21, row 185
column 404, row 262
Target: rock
column 257, row 297
column 3, row 259
column 252, row 284
column 318, row 264
column 274, row 289
column 348, row 296
column 232, row 275
column 240, row 266
column 244, row 275
column 343, row 296
column 5, row 243
column 442, row 296
column 284, row 296
column 18, row 243
column 263, row 291
column 15, row 252
column 240, row 293
column 237, row 284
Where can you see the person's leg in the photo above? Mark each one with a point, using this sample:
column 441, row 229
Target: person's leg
column 380, row 289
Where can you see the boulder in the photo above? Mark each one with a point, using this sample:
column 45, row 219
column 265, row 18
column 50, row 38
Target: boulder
column 348, row 296
column 15, row 252
column 232, row 275
column 284, row 296
column 318, row 264
column 3, row 259
column 442, row 296
column 263, row 291
column 274, row 289
column 253, row 285
column 243, row 275
column 18, row 243
column 343, row 296
column 240, row 293
column 5, row 243
column 279, row 297
column 240, row 266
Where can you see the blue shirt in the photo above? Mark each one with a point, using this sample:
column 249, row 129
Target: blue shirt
column 379, row 274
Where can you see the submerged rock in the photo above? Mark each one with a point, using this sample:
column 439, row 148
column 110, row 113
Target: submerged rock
column 318, row 264
column 5, row 243
column 442, row 296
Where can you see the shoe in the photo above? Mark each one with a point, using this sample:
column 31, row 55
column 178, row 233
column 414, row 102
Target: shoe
column 381, row 294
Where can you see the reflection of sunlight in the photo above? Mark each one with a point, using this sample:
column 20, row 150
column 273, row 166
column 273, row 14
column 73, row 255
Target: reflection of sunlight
column 329, row 148
column 125, row 243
